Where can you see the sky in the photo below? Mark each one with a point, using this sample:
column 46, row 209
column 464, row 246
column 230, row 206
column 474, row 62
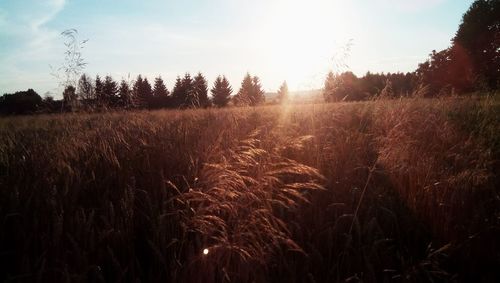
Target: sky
column 294, row 40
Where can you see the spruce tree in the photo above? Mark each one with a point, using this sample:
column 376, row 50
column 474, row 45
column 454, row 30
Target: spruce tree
column 109, row 90
column 200, row 92
column 146, row 92
column 138, row 93
column 177, row 96
column 160, row 94
column 251, row 92
column 257, row 94
column 124, row 95
column 185, row 92
column 221, row 92
column 243, row 97
column 98, row 90
column 283, row 93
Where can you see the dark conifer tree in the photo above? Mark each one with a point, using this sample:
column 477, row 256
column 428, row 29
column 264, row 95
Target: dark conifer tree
column 142, row 92
column 221, row 92
column 136, row 93
column 177, row 94
column 125, row 95
column 199, row 93
column 250, row 93
column 147, row 92
column 110, row 91
column 98, row 91
column 257, row 94
column 243, row 97
column 160, row 94
column 184, row 94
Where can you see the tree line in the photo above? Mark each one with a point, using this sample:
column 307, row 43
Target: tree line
column 348, row 87
column 106, row 93
column 98, row 94
column 471, row 63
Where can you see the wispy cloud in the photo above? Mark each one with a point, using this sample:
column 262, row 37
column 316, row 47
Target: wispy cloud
column 279, row 39
column 53, row 8
column 29, row 41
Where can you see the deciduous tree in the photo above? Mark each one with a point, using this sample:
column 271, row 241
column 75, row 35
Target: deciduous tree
column 85, row 89
column 69, row 98
column 21, row 102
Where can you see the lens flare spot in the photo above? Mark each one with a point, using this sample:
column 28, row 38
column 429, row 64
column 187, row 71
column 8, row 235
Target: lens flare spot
column 205, row 251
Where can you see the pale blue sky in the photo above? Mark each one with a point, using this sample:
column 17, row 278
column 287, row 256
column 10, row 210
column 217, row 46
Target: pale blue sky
column 293, row 40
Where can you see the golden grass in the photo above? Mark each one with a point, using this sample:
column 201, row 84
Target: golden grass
column 324, row 192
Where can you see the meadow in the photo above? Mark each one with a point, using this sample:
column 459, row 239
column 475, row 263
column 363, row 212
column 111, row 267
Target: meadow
column 379, row 191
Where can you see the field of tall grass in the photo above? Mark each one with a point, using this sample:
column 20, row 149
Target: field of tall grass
column 382, row 191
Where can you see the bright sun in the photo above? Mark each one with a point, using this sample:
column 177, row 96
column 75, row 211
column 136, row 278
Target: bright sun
column 301, row 37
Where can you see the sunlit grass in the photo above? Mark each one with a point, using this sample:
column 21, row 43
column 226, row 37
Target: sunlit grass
column 323, row 192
